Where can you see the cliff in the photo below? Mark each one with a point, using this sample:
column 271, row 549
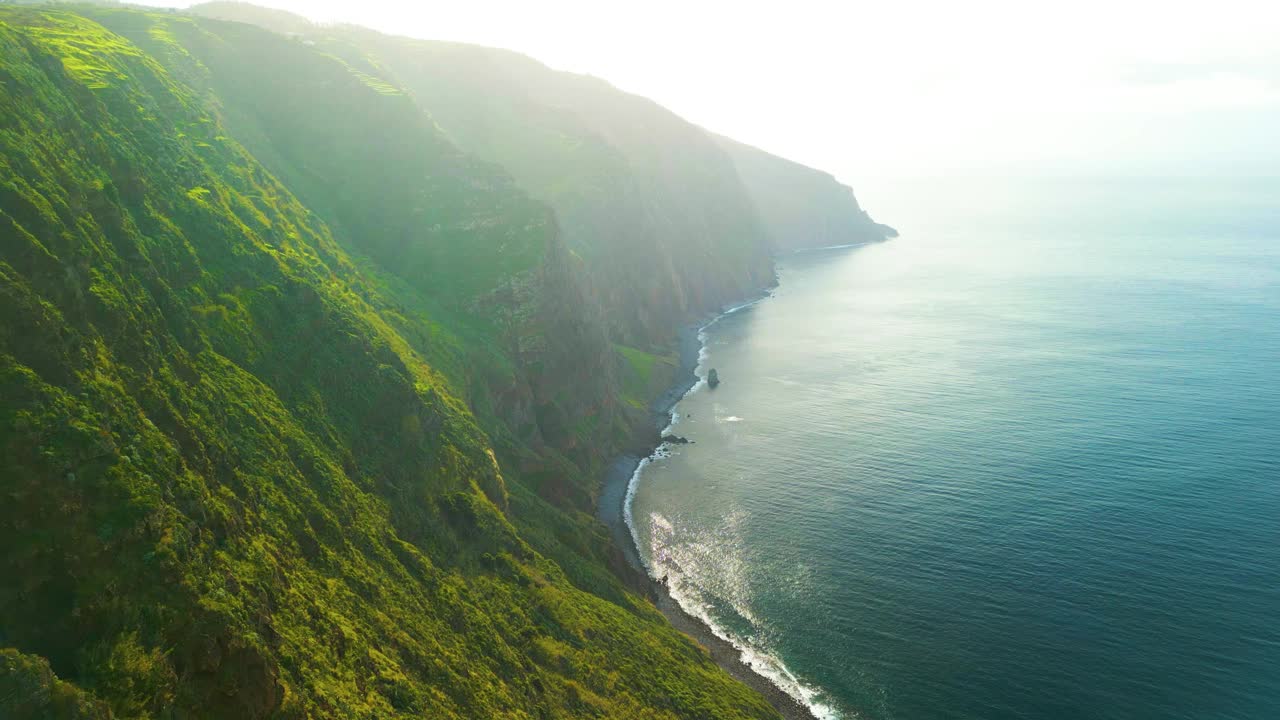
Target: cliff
column 802, row 207
column 651, row 203
column 280, row 402
column 653, row 206
column 452, row 237
column 314, row 342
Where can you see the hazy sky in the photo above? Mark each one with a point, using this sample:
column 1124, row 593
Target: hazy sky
column 894, row 87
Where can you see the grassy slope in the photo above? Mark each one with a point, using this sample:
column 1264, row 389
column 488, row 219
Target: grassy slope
column 650, row 202
column 519, row 344
column 236, row 484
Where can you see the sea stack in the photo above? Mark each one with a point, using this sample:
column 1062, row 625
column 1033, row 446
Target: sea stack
column 712, row 378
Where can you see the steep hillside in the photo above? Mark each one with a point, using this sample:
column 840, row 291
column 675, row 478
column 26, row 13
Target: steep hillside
column 802, row 207
column 280, row 402
column 652, row 205
column 453, row 237
column 649, row 201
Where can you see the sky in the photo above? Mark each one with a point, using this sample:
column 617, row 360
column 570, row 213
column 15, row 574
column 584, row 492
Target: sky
column 910, row 88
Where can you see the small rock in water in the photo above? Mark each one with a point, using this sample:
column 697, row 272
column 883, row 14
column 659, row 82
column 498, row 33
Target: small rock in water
column 675, row 439
column 712, row 378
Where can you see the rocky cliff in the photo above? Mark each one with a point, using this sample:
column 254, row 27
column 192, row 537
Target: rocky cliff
column 802, row 207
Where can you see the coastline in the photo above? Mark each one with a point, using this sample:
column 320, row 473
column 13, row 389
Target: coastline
column 611, row 509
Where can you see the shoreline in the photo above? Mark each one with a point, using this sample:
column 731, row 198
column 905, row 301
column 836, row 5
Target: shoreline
column 611, row 509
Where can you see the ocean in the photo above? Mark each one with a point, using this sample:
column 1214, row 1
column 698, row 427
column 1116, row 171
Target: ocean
column 1021, row 462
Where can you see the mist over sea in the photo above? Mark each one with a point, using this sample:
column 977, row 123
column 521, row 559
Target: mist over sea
column 1022, row 462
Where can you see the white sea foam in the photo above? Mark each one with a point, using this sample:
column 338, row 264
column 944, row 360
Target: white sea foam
column 828, row 247
column 683, row 589
column 673, row 417
column 663, row 450
column 673, row 560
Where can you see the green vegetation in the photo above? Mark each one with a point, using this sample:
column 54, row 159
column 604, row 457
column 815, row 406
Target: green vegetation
column 652, row 205
column 314, row 345
column 32, row 692
column 638, row 378
column 302, row 405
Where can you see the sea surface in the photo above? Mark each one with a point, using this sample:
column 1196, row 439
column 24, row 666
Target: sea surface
column 1021, row 462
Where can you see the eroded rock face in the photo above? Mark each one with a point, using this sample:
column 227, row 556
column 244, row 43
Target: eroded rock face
column 802, row 207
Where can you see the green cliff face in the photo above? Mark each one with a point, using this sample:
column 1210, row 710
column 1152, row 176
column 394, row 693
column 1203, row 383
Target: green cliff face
column 313, row 345
column 652, row 205
column 451, row 238
column 300, row 403
column 802, row 207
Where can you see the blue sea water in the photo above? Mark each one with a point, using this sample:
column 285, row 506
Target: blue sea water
column 1022, row 462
